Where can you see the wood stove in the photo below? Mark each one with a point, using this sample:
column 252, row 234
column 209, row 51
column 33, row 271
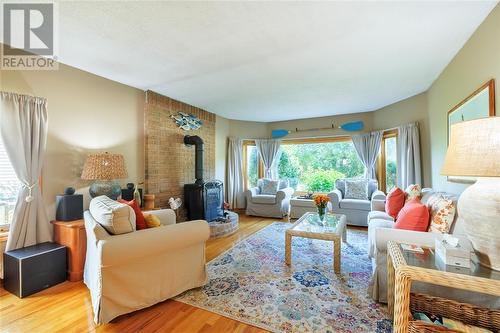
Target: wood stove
column 203, row 200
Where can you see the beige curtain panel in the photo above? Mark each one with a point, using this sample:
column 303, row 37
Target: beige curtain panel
column 409, row 165
column 235, row 180
column 368, row 147
column 23, row 129
column 269, row 152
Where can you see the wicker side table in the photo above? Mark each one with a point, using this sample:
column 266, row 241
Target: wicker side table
column 402, row 271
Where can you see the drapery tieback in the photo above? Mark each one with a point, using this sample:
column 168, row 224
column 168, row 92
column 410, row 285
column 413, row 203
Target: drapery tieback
column 30, row 188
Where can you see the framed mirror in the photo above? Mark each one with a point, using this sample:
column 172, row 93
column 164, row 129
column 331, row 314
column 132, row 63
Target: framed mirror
column 479, row 104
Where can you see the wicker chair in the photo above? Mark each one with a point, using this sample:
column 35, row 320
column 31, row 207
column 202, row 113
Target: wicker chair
column 466, row 313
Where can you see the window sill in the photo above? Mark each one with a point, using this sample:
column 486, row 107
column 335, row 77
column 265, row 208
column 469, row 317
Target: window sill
column 3, row 236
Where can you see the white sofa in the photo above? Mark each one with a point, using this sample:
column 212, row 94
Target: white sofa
column 355, row 210
column 268, row 205
column 380, row 231
column 135, row 270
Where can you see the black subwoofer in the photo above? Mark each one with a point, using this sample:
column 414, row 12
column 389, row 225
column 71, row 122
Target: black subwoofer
column 34, row 268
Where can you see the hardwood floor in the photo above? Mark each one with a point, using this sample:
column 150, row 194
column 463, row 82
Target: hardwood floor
column 66, row 307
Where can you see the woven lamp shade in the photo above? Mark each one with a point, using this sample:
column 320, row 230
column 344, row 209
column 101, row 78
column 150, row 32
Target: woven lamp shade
column 104, row 166
column 474, row 149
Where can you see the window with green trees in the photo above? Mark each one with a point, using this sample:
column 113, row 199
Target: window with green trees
column 315, row 166
column 252, row 166
column 390, row 162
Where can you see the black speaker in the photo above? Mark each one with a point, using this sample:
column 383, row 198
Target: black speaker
column 31, row 269
column 128, row 194
column 69, row 207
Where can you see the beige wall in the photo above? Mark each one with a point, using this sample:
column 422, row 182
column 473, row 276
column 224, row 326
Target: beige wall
column 89, row 113
column 86, row 113
column 413, row 109
column 321, row 122
column 248, row 129
column 476, row 63
column 221, row 135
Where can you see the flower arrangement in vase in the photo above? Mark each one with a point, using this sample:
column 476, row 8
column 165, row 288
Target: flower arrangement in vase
column 321, row 200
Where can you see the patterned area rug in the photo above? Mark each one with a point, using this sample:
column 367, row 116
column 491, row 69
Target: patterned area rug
column 250, row 283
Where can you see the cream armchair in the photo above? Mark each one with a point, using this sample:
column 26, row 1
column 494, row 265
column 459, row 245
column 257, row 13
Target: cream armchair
column 135, row 270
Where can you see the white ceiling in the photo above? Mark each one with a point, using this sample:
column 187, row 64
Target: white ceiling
column 270, row 61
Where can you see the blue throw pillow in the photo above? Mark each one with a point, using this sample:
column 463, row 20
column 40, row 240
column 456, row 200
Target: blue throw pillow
column 269, row 186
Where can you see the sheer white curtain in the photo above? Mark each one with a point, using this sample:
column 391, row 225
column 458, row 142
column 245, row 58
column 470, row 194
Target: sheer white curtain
column 23, row 127
column 269, row 151
column 235, row 186
column 368, row 146
column 409, row 169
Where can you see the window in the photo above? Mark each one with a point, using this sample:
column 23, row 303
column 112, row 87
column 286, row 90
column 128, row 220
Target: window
column 253, row 168
column 388, row 161
column 9, row 187
column 313, row 165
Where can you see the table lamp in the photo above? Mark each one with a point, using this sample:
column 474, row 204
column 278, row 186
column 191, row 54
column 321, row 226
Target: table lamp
column 104, row 168
column 474, row 151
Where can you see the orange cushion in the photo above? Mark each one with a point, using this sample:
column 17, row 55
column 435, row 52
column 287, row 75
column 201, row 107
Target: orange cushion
column 394, row 202
column 413, row 216
column 140, row 222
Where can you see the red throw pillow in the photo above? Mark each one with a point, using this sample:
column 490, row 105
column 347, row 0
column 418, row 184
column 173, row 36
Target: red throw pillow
column 140, row 222
column 413, row 216
column 394, row 202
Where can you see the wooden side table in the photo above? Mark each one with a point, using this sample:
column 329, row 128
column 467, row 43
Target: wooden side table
column 72, row 235
column 404, row 267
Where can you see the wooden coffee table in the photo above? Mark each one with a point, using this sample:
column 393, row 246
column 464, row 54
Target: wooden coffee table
column 333, row 228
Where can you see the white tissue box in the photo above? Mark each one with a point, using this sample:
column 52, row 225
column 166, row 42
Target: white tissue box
column 454, row 256
column 452, row 268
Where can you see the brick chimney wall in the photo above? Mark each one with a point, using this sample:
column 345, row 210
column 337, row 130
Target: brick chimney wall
column 169, row 164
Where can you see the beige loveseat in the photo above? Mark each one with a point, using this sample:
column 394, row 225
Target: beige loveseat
column 380, row 231
column 135, row 270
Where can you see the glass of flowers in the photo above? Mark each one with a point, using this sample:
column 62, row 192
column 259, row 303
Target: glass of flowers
column 321, row 201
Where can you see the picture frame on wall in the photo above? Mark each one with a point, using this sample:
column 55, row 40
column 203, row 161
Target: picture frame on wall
column 479, row 104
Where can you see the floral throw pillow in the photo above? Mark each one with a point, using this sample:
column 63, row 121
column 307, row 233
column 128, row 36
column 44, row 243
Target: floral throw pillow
column 442, row 211
column 413, row 191
column 356, row 189
column 269, row 186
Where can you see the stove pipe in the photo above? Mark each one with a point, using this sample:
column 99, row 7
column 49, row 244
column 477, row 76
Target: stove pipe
column 198, row 143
